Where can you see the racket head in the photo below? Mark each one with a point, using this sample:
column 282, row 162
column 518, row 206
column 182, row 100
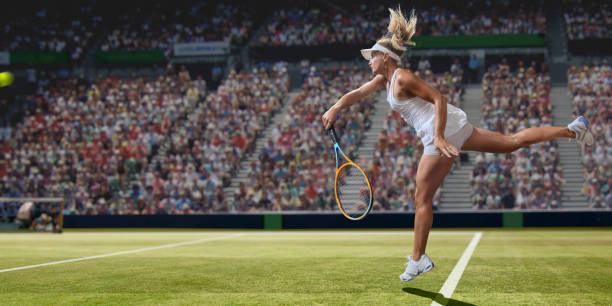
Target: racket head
column 353, row 190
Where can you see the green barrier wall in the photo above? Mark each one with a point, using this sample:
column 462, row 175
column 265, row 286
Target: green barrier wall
column 130, row 57
column 348, row 51
column 36, row 58
column 273, row 221
column 513, row 219
column 480, row 41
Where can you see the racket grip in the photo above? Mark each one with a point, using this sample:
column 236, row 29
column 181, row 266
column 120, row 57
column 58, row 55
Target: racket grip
column 332, row 135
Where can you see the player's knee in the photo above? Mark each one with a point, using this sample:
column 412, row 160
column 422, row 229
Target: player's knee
column 423, row 207
column 423, row 198
column 514, row 143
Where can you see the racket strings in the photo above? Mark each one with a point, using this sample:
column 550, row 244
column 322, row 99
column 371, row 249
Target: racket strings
column 353, row 191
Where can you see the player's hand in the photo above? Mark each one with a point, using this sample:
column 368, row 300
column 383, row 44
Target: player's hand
column 329, row 118
column 445, row 148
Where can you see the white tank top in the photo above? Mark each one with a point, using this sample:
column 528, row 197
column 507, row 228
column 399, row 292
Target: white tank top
column 420, row 114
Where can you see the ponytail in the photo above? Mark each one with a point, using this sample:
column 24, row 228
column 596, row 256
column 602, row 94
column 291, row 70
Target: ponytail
column 401, row 29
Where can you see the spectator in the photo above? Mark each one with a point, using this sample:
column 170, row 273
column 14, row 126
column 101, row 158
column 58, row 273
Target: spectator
column 473, row 66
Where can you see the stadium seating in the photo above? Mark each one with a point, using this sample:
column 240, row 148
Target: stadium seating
column 159, row 25
column 591, row 87
column 60, row 27
column 134, row 144
column 87, row 141
column 587, row 26
column 205, row 151
column 530, row 178
column 586, row 19
column 362, row 23
column 295, row 169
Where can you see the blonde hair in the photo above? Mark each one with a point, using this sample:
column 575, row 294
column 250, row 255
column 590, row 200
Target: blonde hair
column 400, row 31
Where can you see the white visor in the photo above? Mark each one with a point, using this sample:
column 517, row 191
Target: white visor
column 367, row 53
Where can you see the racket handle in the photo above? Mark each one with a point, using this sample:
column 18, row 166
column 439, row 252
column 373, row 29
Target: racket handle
column 332, row 135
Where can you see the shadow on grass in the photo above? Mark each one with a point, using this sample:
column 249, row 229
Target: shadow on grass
column 435, row 296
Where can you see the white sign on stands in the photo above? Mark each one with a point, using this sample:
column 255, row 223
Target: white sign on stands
column 204, row 48
column 5, row 58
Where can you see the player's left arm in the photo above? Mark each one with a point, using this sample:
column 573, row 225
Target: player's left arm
column 410, row 83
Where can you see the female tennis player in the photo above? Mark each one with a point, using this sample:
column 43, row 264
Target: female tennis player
column 443, row 128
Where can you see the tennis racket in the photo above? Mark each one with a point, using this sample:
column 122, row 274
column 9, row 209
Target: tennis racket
column 352, row 187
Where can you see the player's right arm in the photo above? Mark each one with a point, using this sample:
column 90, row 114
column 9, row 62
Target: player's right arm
column 378, row 82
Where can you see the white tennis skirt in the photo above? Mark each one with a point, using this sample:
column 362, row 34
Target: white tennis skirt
column 457, row 140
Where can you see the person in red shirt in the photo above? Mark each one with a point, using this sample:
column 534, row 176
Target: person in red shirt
column 124, row 151
column 216, row 140
column 239, row 141
column 311, row 191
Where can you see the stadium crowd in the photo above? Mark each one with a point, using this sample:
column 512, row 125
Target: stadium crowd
column 287, row 176
column 166, row 146
column 483, row 17
column 158, row 25
column 529, row 178
column 362, row 23
column 591, row 88
column 587, row 19
column 154, row 25
column 86, row 141
column 206, row 149
column 162, row 24
column 66, row 29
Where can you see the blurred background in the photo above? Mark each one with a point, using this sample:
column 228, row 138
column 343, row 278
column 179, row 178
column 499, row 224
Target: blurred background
column 205, row 107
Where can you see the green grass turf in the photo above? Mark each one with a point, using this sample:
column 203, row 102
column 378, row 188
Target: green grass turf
column 518, row 267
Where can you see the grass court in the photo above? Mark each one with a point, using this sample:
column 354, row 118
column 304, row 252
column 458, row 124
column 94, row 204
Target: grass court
column 179, row 267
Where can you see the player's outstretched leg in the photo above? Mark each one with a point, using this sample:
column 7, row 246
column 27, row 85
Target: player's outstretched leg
column 483, row 140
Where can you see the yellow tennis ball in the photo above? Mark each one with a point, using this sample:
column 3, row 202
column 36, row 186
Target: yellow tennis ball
column 6, row 79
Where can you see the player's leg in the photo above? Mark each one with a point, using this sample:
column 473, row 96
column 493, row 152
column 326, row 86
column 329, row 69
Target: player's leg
column 486, row 141
column 430, row 174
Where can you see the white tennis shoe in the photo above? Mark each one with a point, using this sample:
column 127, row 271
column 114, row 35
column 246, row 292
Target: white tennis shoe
column 414, row 268
column 581, row 127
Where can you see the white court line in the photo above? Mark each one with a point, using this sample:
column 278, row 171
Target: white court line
column 357, row 232
column 453, row 279
column 120, row 253
column 253, row 232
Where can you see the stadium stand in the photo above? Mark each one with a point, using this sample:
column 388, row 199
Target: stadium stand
column 159, row 25
column 205, row 151
column 587, row 19
column 587, row 26
column 591, row 87
column 84, row 141
column 361, row 23
column 167, row 143
column 530, row 178
column 287, row 176
column 61, row 27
